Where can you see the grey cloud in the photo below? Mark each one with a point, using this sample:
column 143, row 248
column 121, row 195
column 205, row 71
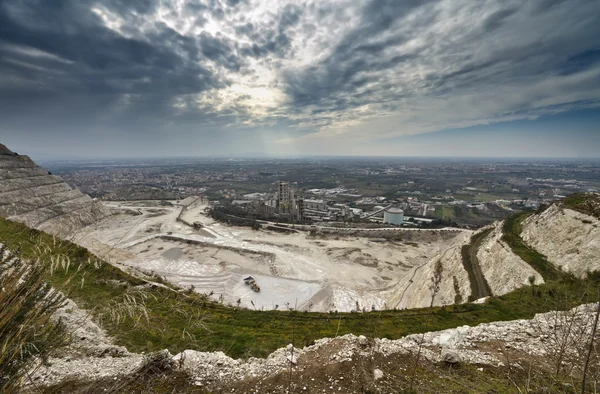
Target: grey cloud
column 359, row 51
column 267, row 39
column 233, row 3
column 217, row 61
column 99, row 55
column 290, row 16
column 89, row 61
column 137, row 6
column 496, row 20
column 502, row 47
column 220, row 50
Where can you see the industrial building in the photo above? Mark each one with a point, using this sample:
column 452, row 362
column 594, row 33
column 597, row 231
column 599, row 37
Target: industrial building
column 285, row 206
column 319, row 205
column 285, row 198
column 393, row 215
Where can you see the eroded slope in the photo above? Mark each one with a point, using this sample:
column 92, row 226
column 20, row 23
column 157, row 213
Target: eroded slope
column 569, row 239
column 31, row 195
column 504, row 271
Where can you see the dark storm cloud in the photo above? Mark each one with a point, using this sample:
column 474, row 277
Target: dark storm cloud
column 305, row 66
column 82, row 56
column 358, row 51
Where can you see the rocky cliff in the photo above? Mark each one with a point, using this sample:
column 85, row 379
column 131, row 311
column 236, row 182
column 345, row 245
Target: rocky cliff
column 569, row 239
column 31, row 195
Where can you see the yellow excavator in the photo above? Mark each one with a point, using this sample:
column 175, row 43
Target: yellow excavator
column 252, row 283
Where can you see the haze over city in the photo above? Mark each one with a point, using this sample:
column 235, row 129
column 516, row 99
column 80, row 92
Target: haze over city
column 111, row 78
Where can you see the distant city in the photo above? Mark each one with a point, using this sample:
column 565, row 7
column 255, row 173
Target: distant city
column 409, row 192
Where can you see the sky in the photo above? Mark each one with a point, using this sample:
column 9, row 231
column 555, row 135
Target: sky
column 165, row 78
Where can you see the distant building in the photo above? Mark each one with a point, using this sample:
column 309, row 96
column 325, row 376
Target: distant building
column 393, row 215
column 266, row 208
column 300, row 209
column 319, row 205
column 285, row 198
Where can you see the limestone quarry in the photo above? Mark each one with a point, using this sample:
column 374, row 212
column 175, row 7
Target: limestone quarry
column 336, row 270
column 304, row 269
column 294, row 271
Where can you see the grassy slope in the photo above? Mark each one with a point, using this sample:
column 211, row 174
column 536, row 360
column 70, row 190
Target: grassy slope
column 469, row 259
column 511, row 235
column 173, row 318
column 445, row 212
column 586, row 203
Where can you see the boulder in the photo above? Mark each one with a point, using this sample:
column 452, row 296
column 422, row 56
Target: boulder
column 451, row 358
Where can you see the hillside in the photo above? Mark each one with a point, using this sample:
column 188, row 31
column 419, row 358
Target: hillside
column 503, row 269
column 31, row 195
column 101, row 288
column 569, row 238
column 115, row 317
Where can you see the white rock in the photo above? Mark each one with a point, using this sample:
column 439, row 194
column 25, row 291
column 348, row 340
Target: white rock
column 377, row 374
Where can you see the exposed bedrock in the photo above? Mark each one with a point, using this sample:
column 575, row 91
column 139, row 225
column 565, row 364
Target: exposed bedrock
column 31, row 195
column 569, row 239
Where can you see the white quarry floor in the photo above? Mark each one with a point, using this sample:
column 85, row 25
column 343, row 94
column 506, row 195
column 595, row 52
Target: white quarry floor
column 292, row 270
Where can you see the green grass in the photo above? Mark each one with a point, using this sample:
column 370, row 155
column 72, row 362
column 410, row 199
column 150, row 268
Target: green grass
column 469, row 260
column 586, row 203
column 445, row 212
column 511, row 234
column 173, row 318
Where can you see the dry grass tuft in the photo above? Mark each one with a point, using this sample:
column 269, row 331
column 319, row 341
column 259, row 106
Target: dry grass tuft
column 26, row 332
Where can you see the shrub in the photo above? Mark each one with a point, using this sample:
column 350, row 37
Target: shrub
column 26, row 331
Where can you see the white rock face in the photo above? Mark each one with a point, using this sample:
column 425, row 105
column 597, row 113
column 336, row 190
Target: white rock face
column 377, row 374
column 482, row 344
column 567, row 238
column 503, row 270
column 413, row 290
column 90, row 355
column 214, row 368
column 31, row 195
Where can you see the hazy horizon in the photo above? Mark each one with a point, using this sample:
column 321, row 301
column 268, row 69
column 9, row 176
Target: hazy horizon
column 316, row 157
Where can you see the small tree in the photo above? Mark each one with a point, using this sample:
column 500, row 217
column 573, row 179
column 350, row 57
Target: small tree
column 434, row 287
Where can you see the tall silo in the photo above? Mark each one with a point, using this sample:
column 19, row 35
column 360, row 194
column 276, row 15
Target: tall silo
column 393, row 215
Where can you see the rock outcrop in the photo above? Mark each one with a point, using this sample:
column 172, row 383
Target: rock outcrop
column 90, row 354
column 503, row 270
column 414, row 290
column 485, row 344
column 500, row 344
column 31, row 195
column 569, row 239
